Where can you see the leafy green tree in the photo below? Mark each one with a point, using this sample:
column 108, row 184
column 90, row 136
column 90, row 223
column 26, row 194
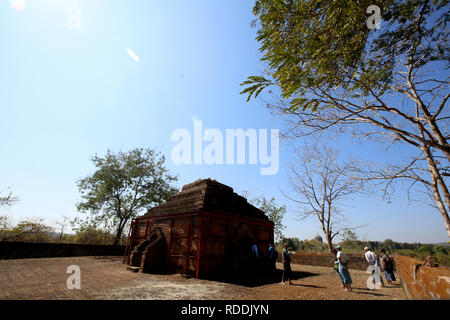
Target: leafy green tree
column 93, row 234
column 123, row 185
column 312, row 246
column 332, row 73
column 350, row 241
column 274, row 212
column 389, row 245
column 293, row 243
column 349, row 235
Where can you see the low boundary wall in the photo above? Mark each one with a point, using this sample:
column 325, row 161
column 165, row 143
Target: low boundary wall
column 325, row 259
column 23, row 250
column 423, row 283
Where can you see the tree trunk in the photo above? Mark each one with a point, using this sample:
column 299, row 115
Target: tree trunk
column 437, row 183
column 329, row 242
column 327, row 234
column 118, row 234
column 440, row 205
column 447, row 223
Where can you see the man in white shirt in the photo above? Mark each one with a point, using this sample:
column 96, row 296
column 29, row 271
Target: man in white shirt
column 372, row 260
column 370, row 257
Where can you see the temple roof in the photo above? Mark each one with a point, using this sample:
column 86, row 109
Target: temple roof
column 210, row 196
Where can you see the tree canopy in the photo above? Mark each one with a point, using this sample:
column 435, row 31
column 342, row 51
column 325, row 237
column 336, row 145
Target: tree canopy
column 332, row 72
column 319, row 45
column 274, row 212
column 124, row 184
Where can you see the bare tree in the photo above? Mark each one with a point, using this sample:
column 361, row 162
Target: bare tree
column 62, row 224
column 319, row 182
column 423, row 126
column 8, row 199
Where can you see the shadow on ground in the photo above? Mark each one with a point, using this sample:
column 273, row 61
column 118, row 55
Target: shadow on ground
column 257, row 280
column 368, row 292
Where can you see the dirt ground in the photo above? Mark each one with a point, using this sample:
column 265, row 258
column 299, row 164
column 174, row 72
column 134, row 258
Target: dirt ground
column 107, row 278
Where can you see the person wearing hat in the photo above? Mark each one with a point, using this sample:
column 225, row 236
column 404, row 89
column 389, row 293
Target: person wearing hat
column 336, row 266
column 343, row 268
column 371, row 258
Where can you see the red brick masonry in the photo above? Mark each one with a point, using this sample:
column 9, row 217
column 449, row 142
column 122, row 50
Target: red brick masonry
column 423, row 283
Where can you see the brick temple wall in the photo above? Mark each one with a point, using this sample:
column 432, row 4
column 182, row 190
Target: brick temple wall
column 423, row 283
column 24, row 250
column 218, row 235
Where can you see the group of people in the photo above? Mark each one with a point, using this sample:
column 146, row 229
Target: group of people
column 384, row 262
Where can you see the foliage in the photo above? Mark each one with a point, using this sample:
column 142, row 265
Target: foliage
column 441, row 254
column 416, row 250
column 327, row 44
column 303, row 245
column 312, row 246
column 93, row 235
column 30, row 230
column 35, row 230
column 274, row 213
column 349, row 235
column 123, row 185
column 293, row 243
column 390, row 86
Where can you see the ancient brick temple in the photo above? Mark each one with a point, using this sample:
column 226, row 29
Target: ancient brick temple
column 206, row 230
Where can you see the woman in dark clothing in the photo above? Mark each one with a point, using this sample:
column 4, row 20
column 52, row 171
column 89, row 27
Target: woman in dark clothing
column 286, row 264
column 387, row 266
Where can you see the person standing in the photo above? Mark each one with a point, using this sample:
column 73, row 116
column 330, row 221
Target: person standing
column 387, row 266
column 286, row 265
column 254, row 264
column 371, row 258
column 273, row 255
column 336, row 266
column 255, row 251
column 343, row 268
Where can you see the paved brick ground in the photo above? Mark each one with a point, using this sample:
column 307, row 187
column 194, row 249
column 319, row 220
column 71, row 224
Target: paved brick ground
column 107, row 278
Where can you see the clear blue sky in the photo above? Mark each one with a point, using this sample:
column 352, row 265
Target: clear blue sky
column 68, row 91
